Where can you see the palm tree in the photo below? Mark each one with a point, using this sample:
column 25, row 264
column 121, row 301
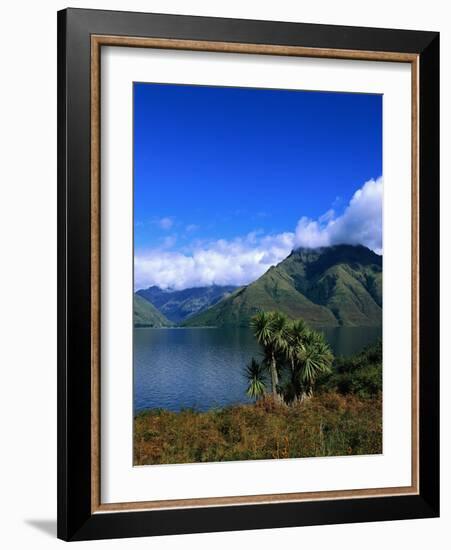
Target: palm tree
column 296, row 335
column 292, row 346
column 270, row 329
column 316, row 358
column 255, row 375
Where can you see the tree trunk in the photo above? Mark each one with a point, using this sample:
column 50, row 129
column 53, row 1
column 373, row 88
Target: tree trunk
column 306, row 394
column 274, row 377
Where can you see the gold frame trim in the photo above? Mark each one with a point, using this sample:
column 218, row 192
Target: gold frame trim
column 97, row 41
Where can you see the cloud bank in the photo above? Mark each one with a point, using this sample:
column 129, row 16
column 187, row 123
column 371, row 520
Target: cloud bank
column 244, row 259
column 361, row 222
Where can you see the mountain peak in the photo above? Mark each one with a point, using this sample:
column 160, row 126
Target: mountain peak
column 338, row 253
column 344, row 247
column 326, row 286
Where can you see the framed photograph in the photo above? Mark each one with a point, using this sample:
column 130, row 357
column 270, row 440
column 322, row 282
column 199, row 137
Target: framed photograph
column 248, row 274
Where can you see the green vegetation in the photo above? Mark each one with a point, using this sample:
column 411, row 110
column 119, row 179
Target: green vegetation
column 255, row 373
column 360, row 375
column 325, row 425
column 147, row 315
column 332, row 286
column 293, row 353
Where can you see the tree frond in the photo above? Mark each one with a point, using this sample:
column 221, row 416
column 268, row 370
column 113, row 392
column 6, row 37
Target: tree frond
column 255, row 374
column 290, row 346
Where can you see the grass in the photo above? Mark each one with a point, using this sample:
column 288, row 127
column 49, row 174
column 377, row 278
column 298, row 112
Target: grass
column 328, row 424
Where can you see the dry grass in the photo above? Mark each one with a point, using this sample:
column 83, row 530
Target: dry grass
column 328, row 424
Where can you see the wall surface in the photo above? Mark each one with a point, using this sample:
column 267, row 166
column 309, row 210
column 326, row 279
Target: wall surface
column 28, row 274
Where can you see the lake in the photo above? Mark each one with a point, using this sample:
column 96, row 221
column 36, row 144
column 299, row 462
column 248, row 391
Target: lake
column 202, row 368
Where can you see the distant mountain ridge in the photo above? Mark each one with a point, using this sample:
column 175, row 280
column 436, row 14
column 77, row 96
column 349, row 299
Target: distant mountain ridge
column 178, row 305
column 331, row 286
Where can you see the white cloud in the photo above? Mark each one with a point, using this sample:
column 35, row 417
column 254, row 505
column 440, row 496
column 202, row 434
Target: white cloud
column 221, row 262
column 244, row 259
column 360, row 223
column 165, row 223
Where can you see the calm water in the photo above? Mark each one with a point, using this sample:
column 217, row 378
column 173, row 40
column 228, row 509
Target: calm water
column 203, row 368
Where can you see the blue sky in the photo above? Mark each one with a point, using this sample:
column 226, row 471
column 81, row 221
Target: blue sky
column 221, row 169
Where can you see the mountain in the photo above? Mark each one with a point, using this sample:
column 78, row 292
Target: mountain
column 332, row 286
column 178, row 305
column 146, row 315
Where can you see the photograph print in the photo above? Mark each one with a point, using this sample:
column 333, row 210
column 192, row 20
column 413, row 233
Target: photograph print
column 258, row 256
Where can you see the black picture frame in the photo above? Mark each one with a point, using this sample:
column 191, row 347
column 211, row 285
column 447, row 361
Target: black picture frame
column 75, row 518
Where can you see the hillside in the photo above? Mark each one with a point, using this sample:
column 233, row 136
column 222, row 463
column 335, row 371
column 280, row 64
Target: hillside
column 146, row 315
column 331, row 286
column 178, row 305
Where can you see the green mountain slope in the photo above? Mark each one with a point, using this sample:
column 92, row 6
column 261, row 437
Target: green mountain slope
column 147, row 315
column 178, row 305
column 332, row 286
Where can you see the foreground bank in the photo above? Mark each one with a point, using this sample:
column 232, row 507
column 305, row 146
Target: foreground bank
column 329, row 424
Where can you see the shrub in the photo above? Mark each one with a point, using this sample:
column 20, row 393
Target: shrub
column 360, row 375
